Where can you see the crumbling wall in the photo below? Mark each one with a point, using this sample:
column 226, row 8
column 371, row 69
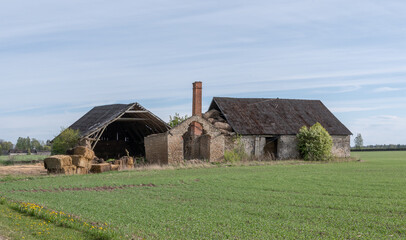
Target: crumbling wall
column 217, row 146
column 341, row 146
column 204, row 146
column 287, row 147
column 176, row 141
column 156, row 148
column 249, row 144
column 253, row 145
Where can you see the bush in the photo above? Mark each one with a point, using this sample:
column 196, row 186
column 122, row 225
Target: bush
column 68, row 138
column 237, row 154
column 176, row 120
column 314, row 143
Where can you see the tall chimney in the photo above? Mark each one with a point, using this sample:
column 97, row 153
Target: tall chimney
column 197, row 99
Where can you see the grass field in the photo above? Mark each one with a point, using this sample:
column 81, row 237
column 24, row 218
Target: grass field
column 352, row 200
column 7, row 160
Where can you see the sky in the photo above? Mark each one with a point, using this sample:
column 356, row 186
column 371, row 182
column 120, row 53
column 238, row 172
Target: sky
column 58, row 59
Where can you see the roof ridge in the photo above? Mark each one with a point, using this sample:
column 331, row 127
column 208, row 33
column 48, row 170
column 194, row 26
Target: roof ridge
column 296, row 99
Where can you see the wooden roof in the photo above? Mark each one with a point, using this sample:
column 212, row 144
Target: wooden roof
column 270, row 116
column 101, row 116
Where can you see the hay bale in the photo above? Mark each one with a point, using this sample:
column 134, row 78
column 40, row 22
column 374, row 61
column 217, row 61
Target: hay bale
column 130, row 161
column 211, row 114
column 81, row 170
column 225, row 132
column 224, row 126
column 115, row 167
column 80, row 161
column 126, row 162
column 118, row 162
column 57, row 161
column 85, row 152
column 211, row 120
column 68, row 170
column 99, row 168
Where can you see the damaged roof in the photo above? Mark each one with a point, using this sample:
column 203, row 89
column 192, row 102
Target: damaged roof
column 274, row 116
column 101, row 116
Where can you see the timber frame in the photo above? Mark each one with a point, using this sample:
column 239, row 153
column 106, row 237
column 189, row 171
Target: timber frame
column 111, row 130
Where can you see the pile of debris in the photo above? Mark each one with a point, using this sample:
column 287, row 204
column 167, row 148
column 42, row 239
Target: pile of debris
column 218, row 121
column 83, row 161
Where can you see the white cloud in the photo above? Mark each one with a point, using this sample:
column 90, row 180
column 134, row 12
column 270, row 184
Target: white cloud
column 386, row 89
column 381, row 129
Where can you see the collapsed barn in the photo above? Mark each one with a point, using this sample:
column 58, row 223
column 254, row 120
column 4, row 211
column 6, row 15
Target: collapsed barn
column 265, row 126
column 117, row 130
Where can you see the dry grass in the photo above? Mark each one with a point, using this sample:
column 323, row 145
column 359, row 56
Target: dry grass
column 195, row 163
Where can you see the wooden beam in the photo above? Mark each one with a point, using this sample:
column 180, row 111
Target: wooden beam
column 136, row 111
column 131, row 119
column 98, row 137
column 91, row 139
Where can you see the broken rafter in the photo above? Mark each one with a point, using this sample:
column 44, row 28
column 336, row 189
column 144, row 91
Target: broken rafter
column 98, row 137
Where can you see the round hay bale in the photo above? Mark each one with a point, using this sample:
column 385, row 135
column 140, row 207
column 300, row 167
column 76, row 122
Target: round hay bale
column 224, row 126
column 211, row 114
column 225, row 132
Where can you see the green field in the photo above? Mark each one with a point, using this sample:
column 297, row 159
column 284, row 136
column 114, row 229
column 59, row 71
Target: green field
column 351, row 200
column 7, row 160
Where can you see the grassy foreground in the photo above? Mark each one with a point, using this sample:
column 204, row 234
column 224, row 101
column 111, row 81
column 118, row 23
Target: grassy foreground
column 351, row 200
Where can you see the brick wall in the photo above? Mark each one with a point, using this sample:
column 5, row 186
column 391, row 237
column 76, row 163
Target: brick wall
column 156, row 148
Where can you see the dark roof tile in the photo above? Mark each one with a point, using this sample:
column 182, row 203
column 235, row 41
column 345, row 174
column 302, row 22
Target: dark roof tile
column 270, row 116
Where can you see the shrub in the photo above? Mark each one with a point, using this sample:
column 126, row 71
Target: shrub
column 237, row 154
column 68, row 138
column 314, row 143
column 176, row 120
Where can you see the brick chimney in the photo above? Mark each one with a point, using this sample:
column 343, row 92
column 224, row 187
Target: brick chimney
column 197, row 99
column 195, row 127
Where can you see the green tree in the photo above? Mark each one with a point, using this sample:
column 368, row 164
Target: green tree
column 314, row 143
column 176, row 120
column 5, row 145
column 36, row 144
column 68, row 138
column 23, row 144
column 359, row 142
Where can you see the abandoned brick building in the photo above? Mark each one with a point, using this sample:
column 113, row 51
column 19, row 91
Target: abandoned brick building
column 112, row 130
column 266, row 126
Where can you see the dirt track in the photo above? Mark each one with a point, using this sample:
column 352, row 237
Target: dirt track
column 31, row 169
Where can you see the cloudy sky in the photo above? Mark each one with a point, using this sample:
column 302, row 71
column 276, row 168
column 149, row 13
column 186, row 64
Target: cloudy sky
column 58, row 59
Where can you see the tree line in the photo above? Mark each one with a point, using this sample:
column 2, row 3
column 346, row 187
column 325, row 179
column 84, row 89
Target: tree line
column 25, row 144
column 359, row 145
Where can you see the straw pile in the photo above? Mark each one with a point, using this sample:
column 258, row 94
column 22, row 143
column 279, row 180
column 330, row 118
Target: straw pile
column 101, row 167
column 124, row 163
column 80, row 163
column 218, row 121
